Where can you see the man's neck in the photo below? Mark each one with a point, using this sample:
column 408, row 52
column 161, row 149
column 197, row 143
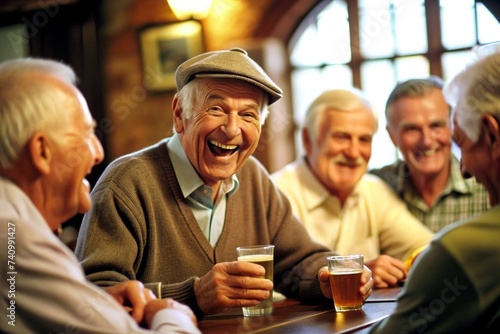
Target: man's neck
column 430, row 187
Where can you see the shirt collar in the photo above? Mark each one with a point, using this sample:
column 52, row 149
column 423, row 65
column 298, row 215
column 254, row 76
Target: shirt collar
column 315, row 193
column 188, row 178
column 455, row 183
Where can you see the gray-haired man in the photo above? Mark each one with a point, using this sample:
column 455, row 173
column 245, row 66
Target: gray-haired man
column 173, row 214
column 429, row 178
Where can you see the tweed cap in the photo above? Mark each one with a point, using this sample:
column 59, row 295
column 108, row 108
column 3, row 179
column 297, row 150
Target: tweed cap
column 234, row 63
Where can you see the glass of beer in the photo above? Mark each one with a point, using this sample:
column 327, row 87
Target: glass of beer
column 345, row 279
column 262, row 255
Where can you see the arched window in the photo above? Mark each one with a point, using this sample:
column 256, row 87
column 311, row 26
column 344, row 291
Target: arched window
column 373, row 44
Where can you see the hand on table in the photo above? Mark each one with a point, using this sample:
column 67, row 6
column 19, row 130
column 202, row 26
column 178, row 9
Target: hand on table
column 366, row 282
column 387, row 271
column 133, row 296
column 231, row 284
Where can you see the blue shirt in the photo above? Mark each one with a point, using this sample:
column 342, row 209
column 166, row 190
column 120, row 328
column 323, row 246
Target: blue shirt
column 209, row 215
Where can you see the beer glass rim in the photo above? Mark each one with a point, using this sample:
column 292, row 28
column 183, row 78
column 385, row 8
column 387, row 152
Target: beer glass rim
column 345, row 257
column 254, row 247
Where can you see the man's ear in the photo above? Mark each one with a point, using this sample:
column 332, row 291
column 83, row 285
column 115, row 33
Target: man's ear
column 40, row 152
column 306, row 141
column 391, row 136
column 177, row 113
column 491, row 133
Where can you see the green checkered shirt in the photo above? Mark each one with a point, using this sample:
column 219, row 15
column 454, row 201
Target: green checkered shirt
column 460, row 199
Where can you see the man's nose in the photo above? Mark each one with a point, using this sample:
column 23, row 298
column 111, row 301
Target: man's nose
column 232, row 125
column 427, row 136
column 352, row 149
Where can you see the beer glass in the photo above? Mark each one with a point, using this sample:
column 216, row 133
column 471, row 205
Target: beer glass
column 262, row 255
column 345, row 279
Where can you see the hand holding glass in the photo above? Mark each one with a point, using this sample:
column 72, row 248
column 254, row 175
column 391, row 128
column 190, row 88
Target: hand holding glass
column 345, row 278
column 264, row 256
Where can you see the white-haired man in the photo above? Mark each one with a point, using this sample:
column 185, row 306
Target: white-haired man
column 48, row 146
column 338, row 203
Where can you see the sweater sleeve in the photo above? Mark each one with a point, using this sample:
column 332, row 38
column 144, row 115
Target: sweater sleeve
column 297, row 257
column 183, row 292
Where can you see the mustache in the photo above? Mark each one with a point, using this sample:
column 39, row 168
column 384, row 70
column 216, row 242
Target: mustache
column 342, row 159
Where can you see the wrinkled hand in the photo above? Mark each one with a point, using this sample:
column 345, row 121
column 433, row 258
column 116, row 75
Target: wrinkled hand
column 156, row 305
column 366, row 283
column 133, row 296
column 231, row 284
column 387, row 271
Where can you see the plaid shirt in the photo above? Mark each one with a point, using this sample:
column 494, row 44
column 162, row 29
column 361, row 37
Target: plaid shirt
column 460, row 199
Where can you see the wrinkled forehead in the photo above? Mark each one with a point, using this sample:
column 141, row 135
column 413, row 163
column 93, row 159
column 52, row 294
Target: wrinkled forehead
column 358, row 114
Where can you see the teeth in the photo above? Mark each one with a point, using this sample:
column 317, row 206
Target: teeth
column 226, row 147
column 428, row 152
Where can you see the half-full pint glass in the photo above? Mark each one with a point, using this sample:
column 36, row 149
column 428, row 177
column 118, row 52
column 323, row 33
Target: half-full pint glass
column 345, row 278
column 264, row 256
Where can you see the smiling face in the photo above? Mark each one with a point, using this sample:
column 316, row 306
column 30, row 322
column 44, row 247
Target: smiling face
column 223, row 129
column 419, row 127
column 477, row 158
column 75, row 151
column 340, row 152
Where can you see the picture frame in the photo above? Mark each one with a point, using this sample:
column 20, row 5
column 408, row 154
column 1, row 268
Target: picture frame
column 164, row 47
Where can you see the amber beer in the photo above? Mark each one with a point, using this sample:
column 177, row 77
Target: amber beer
column 266, row 260
column 345, row 291
column 345, row 280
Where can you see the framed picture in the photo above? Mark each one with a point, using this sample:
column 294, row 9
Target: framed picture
column 164, row 47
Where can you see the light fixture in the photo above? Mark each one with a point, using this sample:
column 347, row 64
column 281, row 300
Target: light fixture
column 190, row 9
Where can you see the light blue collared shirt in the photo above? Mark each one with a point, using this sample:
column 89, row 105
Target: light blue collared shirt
column 209, row 215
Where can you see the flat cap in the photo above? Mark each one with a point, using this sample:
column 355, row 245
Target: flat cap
column 234, row 63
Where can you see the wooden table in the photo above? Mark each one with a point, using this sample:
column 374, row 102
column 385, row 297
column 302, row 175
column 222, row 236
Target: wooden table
column 292, row 316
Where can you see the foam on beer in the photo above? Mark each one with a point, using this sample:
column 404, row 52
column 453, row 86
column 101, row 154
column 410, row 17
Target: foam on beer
column 255, row 258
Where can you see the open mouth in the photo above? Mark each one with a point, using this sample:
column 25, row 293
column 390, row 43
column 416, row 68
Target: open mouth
column 222, row 149
column 426, row 153
column 350, row 164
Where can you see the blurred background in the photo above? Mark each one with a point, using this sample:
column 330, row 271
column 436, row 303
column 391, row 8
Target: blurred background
column 125, row 53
